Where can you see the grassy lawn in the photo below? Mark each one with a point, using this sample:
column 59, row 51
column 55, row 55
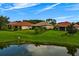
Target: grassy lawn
column 48, row 37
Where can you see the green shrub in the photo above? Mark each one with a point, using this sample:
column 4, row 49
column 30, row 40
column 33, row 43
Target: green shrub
column 71, row 29
column 39, row 30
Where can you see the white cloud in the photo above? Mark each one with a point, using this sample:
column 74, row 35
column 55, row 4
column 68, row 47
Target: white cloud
column 70, row 18
column 64, row 18
column 47, row 8
column 73, row 7
column 21, row 5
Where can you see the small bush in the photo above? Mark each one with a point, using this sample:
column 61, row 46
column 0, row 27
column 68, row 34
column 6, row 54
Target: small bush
column 39, row 30
column 71, row 29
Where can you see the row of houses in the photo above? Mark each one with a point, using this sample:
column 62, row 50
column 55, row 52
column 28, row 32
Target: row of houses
column 28, row 25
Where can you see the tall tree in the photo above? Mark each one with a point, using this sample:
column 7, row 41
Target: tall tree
column 51, row 21
column 3, row 21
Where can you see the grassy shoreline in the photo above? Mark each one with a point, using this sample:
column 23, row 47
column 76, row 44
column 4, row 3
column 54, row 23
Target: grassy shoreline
column 50, row 37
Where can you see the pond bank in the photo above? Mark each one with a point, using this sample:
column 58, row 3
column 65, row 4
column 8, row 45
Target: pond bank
column 50, row 37
column 20, row 42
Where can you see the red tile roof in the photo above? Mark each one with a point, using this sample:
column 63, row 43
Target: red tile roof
column 76, row 25
column 63, row 24
column 20, row 24
column 42, row 24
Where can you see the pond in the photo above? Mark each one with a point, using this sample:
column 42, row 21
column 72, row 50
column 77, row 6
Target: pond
column 37, row 50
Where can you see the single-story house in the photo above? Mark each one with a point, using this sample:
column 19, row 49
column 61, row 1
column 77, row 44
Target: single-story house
column 76, row 26
column 43, row 24
column 21, row 25
column 62, row 25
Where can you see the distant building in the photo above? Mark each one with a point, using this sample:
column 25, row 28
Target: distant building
column 62, row 25
column 44, row 24
column 76, row 26
column 21, row 25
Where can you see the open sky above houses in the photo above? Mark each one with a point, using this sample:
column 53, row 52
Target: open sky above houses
column 24, row 11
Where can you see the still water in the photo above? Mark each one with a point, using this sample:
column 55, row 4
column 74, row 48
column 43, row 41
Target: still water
column 42, row 50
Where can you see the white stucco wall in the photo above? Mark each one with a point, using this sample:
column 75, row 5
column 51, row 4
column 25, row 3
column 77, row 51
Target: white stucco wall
column 26, row 27
column 78, row 28
column 49, row 27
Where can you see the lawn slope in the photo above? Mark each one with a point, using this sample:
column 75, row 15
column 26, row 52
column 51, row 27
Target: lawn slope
column 48, row 37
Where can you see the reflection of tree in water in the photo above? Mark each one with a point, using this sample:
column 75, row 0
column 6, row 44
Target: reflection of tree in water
column 37, row 45
column 71, row 50
column 3, row 45
column 14, row 50
column 7, row 44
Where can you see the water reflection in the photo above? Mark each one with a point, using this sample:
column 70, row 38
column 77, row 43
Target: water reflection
column 37, row 45
column 3, row 45
column 7, row 49
column 71, row 50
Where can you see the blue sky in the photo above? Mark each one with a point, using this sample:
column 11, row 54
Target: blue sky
column 25, row 11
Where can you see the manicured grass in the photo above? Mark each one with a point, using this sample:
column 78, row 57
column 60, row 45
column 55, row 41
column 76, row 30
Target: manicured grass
column 48, row 37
